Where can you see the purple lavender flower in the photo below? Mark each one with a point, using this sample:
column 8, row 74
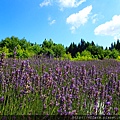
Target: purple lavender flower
column 2, row 99
column 44, row 106
column 108, row 103
column 84, row 104
column 116, row 110
column 109, row 98
column 83, row 70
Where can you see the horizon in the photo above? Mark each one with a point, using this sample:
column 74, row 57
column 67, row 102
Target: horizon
column 63, row 21
column 59, row 43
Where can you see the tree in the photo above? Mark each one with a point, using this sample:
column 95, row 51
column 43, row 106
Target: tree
column 48, row 52
column 19, row 51
column 58, row 50
column 114, row 54
column 78, row 56
column 117, row 47
column 82, row 45
column 72, row 49
column 24, row 44
column 96, row 51
column 92, row 43
column 112, row 47
column 67, row 56
column 86, row 53
column 10, row 43
column 107, row 53
column 5, row 50
column 47, row 44
column 47, row 47
column 36, row 48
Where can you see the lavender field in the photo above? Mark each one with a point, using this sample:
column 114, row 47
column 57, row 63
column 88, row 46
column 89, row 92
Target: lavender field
column 46, row 86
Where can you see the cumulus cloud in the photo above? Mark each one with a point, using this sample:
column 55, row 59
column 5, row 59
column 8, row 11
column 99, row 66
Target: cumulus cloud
column 110, row 28
column 45, row 3
column 70, row 3
column 78, row 19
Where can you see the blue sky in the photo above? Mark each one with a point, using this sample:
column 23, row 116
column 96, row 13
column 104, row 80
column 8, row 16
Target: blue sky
column 63, row 21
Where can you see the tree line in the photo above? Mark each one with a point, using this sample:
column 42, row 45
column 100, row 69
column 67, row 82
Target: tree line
column 81, row 51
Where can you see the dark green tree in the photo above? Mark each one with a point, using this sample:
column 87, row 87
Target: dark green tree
column 72, row 49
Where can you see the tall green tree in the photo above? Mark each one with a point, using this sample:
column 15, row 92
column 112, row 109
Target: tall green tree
column 47, row 44
column 37, row 49
column 72, row 49
column 58, row 50
column 96, row 51
column 107, row 53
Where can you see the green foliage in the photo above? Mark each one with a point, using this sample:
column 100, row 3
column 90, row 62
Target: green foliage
column 10, row 43
column 118, row 58
column 78, row 55
column 5, row 50
column 72, row 49
column 47, row 44
column 24, row 44
column 96, row 51
column 86, row 53
column 47, row 47
column 50, row 48
column 67, row 56
column 19, row 51
column 58, row 50
column 82, row 51
column 107, row 53
column 24, row 48
column 36, row 48
column 83, row 58
column 115, row 46
column 114, row 54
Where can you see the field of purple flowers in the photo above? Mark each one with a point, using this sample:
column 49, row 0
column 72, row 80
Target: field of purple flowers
column 44, row 86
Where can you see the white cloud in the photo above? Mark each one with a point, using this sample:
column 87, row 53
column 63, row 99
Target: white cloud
column 78, row 19
column 70, row 3
column 45, row 3
column 49, row 18
column 94, row 18
column 63, row 3
column 110, row 28
column 51, row 22
column 72, row 29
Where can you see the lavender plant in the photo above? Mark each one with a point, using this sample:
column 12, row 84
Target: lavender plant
column 46, row 86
